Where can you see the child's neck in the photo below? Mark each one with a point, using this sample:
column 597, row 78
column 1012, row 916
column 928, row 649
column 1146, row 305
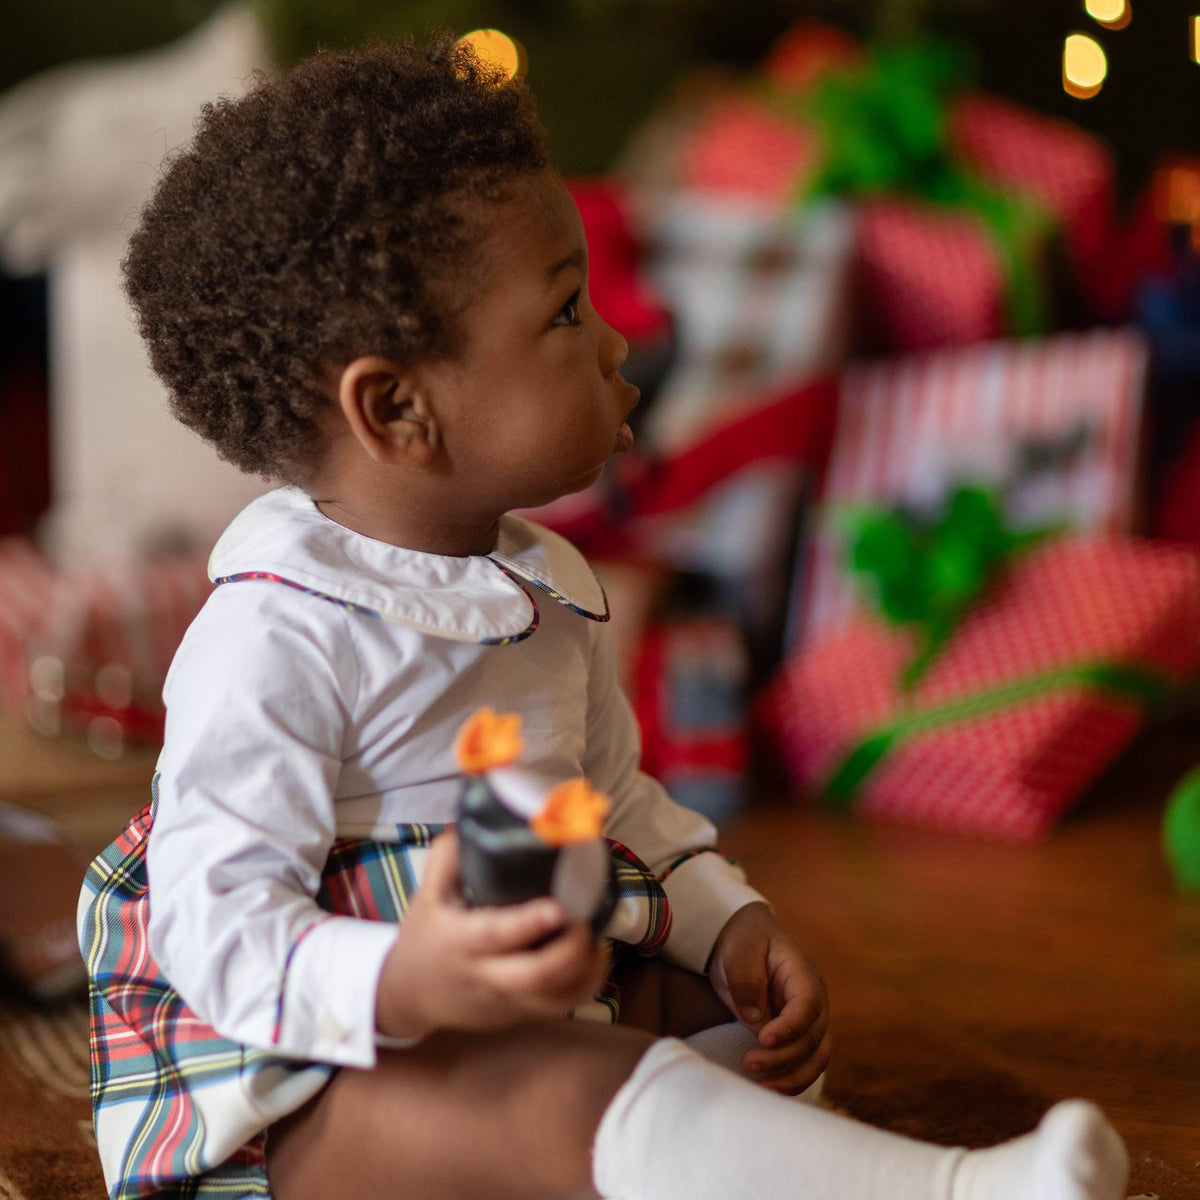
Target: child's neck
column 401, row 529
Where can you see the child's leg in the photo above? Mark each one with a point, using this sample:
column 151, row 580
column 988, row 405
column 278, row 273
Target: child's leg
column 667, row 1000
column 460, row 1117
column 684, row 1129
column 562, row 1111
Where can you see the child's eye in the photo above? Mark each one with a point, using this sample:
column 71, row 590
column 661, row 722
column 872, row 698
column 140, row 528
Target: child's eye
column 569, row 313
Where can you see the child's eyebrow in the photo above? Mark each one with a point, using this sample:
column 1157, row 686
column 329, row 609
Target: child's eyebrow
column 576, row 258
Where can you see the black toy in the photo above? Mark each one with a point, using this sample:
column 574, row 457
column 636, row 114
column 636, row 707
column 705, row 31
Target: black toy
column 522, row 835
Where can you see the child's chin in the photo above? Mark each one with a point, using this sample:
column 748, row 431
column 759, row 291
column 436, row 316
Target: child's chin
column 583, row 482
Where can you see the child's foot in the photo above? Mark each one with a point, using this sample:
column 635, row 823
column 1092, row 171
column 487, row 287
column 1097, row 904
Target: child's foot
column 1074, row 1154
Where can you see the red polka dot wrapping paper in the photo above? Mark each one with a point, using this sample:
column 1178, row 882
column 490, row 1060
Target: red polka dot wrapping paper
column 1010, row 773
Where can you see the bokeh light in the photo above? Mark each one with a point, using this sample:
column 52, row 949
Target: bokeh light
column 1084, row 66
column 498, row 50
column 1195, row 39
column 1112, row 14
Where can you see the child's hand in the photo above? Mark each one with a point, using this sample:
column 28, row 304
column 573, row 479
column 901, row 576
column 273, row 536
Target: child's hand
column 772, row 987
column 454, row 967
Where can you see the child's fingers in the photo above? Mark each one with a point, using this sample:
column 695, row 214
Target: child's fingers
column 800, row 1015
column 748, row 991
column 510, row 929
column 786, row 1055
column 793, row 1079
column 552, row 977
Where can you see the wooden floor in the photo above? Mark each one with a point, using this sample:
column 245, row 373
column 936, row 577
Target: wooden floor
column 972, row 984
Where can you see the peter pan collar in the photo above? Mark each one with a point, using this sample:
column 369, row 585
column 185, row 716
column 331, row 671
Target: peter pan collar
column 284, row 536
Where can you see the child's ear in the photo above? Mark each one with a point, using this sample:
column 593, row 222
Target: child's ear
column 388, row 411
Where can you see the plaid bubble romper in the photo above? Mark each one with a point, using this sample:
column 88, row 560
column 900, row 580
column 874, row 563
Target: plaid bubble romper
column 180, row 1111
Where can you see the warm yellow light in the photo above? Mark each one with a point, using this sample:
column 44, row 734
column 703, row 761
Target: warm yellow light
column 1084, row 66
column 497, row 50
column 1195, row 24
column 1112, row 14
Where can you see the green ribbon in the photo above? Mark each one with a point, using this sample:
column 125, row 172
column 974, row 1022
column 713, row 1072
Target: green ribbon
column 1137, row 685
column 884, row 130
column 928, row 572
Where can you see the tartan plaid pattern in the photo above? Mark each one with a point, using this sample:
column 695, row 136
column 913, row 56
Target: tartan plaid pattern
column 180, row 1111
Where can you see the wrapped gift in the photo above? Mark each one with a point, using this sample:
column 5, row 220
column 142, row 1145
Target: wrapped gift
column 1168, row 310
column 960, row 192
column 909, row 427
column 1034, row 692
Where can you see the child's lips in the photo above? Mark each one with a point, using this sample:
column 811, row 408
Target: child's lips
column 625, row 434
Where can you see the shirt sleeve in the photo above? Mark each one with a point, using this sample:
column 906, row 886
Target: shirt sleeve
column 259, row 702
column 678, row 845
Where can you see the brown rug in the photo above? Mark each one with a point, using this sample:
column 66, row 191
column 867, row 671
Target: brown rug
column 895, row 1079
column 47, row 1149
column 952, row 1094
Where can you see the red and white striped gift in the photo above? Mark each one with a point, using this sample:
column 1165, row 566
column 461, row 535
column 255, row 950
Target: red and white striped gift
column 907, row 426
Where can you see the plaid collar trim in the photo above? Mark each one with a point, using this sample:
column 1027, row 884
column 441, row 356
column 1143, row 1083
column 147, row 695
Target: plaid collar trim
column 283, row 537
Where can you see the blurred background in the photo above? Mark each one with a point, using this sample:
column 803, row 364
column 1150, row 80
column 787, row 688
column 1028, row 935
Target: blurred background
column 912, row 289
column 911, row 532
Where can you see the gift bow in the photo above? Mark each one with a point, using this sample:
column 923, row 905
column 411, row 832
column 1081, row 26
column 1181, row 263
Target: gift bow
column 883, row 124
column 928, row 575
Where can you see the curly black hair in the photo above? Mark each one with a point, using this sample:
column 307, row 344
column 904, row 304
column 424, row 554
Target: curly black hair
column 317, row 218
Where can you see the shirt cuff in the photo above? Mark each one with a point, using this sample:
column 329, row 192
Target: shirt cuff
column 327, row 1001
column 704, row 891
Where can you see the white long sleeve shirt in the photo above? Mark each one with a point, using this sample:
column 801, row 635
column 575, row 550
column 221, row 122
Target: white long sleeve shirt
column 317, row 695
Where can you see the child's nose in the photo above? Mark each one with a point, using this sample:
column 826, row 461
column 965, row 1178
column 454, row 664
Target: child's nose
column 614, row 350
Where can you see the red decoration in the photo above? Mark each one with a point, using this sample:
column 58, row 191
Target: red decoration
column 1178, row 514
column 932, row 275
column 1011, row 769
column 744, row 151
column 809, row 50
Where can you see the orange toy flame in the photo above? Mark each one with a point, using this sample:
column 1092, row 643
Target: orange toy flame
column 574, row 812
column 488, row 739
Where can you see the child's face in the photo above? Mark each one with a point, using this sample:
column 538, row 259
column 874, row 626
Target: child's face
column 536, row 403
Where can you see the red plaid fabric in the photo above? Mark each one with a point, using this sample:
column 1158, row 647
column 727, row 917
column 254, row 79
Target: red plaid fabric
column 179, row 1110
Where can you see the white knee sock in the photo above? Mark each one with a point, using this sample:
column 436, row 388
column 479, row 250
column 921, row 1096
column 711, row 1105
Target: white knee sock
column 727, row 1045
column 683, row 1129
